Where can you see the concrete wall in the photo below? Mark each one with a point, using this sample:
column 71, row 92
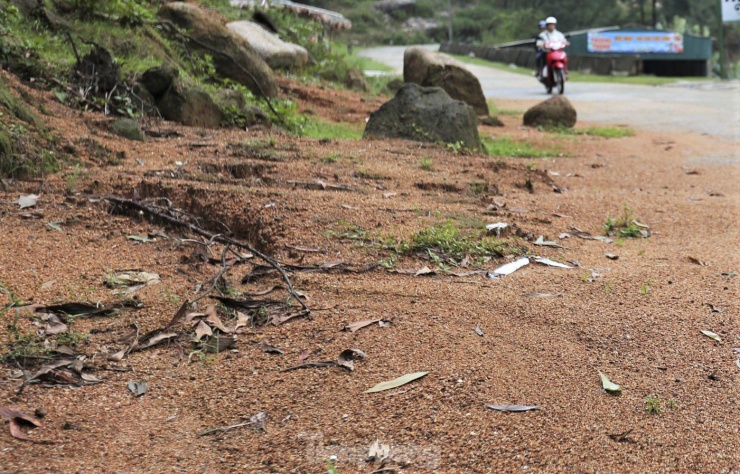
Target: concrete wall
column 525, row 57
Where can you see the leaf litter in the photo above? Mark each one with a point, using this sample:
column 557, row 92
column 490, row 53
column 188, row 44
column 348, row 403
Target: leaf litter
column 357, row 325
column 16, row 420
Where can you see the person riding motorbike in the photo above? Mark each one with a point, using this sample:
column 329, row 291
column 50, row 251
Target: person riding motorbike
column 550, row 34
column 540, row 55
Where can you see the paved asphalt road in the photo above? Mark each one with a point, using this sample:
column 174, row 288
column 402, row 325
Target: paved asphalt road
column 711, row 107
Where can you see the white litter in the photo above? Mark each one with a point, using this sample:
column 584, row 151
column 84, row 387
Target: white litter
column 509, row 268
column 551, row 263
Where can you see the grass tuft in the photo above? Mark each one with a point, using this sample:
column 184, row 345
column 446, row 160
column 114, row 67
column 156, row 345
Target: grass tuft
column 505, row 146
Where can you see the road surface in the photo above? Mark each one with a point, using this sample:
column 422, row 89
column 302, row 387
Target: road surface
column 711, row 107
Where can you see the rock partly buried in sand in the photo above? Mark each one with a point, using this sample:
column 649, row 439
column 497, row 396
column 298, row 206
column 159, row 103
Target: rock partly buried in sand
column 554, row 112
column 277, row 53
column 425, row 114
column 432, row 69
column 187, row 104
column 232, row 55
column 127, row 128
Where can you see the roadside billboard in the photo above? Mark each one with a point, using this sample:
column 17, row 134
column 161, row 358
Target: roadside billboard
column 665, row 42
column 730, row 11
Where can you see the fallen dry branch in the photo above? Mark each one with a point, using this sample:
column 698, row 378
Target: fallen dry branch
column 228, row 241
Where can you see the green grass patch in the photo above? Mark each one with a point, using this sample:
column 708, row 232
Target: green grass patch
column 625, row 227
column 315, row 128
column 494, row 111
column 604, row 132
column 505, row 146
column 447, row 243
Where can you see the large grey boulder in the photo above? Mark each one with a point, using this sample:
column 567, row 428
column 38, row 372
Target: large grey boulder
column 432, row 69
column 277, row 53
column 425, row 114
column 189, row 105
column 554, row 112
column 232, row 55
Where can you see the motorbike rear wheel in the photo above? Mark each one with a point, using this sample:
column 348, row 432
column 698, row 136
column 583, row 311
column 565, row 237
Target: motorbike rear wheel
column 559, row 79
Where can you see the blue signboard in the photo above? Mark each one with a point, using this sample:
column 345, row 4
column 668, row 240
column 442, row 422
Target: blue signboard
column 665, row 42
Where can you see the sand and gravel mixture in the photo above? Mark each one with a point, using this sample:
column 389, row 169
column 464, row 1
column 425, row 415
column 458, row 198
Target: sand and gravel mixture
column 308, row 202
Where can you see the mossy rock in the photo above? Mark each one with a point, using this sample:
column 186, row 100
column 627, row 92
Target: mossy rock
column 186, row 103
column 18, row 108
column 7, row 165
column 128, row 128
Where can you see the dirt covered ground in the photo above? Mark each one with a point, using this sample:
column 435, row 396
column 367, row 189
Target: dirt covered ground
column 637, row 319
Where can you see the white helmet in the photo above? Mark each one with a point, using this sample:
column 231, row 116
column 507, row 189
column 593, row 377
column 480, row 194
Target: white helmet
column 551, row 19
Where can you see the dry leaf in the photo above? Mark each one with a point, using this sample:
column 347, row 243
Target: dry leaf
column 242, row 320
column 213, row 319
column 90, row 378
column 180, row 314
column 621, row 437
column 712, row 335
column 28, row 309
column 16, row 419
column 542, row 242
column 397, row 382
column 514, row 408
column 270, row 349
column 425, row 271
column 54, row 325
column 118, row 356
column 697, row 261
column 202, row 330
column 153, row 338
column 357, row 325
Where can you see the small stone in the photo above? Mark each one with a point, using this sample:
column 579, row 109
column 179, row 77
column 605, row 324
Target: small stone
column 40, row 412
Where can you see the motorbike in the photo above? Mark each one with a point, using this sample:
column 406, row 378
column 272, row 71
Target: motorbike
column 555, row 72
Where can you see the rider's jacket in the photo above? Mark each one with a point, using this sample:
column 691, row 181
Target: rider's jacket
column 546, row 36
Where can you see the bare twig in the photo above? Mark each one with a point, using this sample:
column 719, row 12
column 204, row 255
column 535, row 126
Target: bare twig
column 213, row 238
column 225, row 428
column 220, row 273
